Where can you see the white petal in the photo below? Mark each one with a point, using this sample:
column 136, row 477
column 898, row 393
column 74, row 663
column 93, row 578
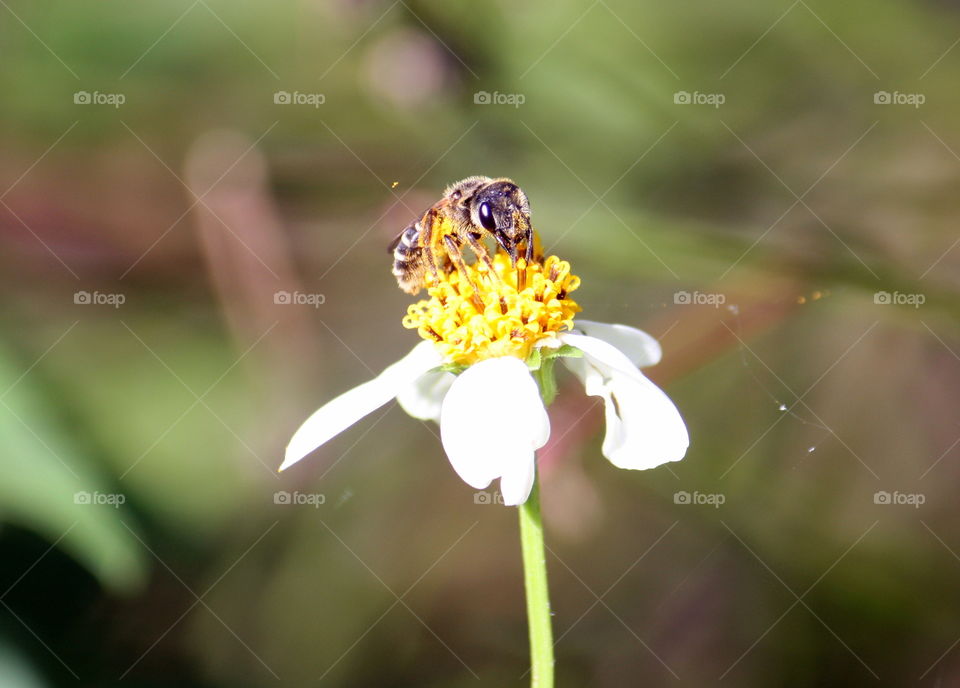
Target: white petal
column 550, row 341
column 516, row 482
column 600, row 354
column 644, row 427
column 641, row 348
column 492, row 422
column 424, row 397
column 343, row 411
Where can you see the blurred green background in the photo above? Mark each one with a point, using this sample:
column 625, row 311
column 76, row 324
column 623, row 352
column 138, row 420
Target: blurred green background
column 769, row 188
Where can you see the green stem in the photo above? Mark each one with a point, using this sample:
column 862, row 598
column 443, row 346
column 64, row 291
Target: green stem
column 538, row 594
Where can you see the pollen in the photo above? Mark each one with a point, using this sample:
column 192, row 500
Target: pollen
column 480, row 314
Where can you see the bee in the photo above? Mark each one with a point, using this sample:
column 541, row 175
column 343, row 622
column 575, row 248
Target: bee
column 470, row 211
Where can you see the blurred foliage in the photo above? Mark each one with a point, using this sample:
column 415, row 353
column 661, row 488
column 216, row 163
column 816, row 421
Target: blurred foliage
column 43, row 476
column 798, row 199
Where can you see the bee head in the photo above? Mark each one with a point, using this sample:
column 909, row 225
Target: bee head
column 501, row 208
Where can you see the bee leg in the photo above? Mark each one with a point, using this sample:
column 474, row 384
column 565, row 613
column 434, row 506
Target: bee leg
column 428, row 241
column 480, row 251
column 528, row 255
column 453, row 250
column 522, row 275
column 431, row 261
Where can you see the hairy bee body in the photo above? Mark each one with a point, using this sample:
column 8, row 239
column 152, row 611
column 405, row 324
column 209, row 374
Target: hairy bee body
column 470, row 211
column 408, row 264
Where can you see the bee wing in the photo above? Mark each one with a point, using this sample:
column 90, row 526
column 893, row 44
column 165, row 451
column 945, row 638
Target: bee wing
column 416, row 226
column 396, row 242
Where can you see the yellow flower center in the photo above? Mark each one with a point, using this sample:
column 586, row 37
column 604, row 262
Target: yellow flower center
column 484, row 315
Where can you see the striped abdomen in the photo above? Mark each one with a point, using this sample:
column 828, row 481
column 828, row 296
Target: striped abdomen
column 407, row 260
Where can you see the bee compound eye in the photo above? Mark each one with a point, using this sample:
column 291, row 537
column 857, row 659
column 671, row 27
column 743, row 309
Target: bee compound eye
column 486, row 216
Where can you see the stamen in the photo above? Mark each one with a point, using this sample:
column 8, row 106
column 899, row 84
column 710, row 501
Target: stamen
column 481, row 313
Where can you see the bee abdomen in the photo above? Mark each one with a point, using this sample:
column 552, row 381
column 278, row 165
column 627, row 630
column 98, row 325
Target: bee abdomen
column 407, row 264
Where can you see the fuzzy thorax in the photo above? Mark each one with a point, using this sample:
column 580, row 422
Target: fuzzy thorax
column 496, row 318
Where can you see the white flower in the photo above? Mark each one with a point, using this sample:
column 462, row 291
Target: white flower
column 492, row 422
column 492, row 419
column 644, row 428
